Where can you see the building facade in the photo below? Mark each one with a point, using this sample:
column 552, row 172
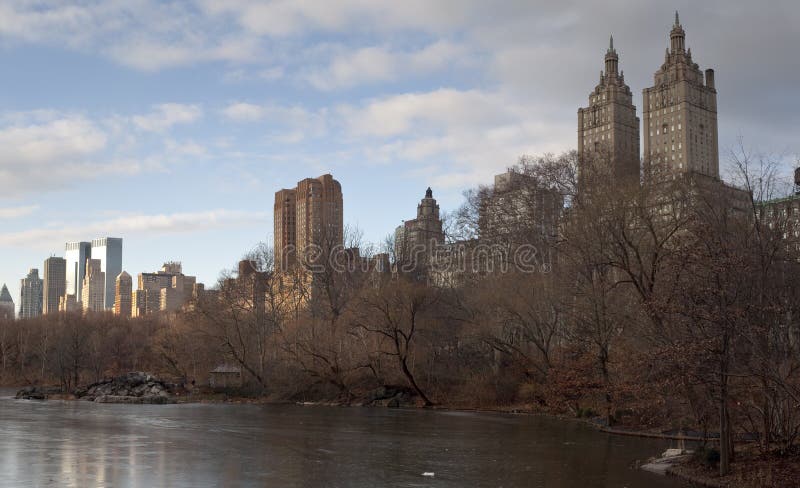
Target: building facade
column 123, row 292
column 308, row 218
column 417, row 238
column 109, row 251
column 55, row 283
column 93, row 294
column 7, row 309
column 680, row 115
column 30, row 300
column 76, row 254
column 285, row 231
column 165, row 290
column 519, row 210
column 608, row 129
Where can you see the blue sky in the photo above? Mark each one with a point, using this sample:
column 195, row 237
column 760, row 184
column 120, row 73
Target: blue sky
column 172, row 124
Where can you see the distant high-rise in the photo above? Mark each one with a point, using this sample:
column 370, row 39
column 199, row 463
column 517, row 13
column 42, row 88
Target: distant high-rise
column 421, row 234
column 309, row 215
column 92, row 296
column 7, row 310
column 608, row 129
column 109, row 251
column 165, row 290
column 123, row 294
column 76, row 254
column 30, row 295
column 55, row 283
column 680, row 115
column 285, row 234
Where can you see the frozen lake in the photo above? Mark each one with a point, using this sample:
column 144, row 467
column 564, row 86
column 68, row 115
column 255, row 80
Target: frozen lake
column 81, row 444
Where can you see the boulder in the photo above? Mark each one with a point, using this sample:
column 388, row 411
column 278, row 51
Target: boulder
column 391, row 396
column 37, row 392
column 134, row 387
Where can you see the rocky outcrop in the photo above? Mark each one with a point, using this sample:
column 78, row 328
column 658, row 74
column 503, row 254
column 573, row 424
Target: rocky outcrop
column 391, row 396
column 135, row 387
column 37, row 392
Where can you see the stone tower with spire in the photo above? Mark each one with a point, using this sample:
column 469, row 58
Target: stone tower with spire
column 608, row 129
column 418, row 238
column 680, row 115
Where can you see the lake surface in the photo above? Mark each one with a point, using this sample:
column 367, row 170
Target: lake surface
column 82, row 444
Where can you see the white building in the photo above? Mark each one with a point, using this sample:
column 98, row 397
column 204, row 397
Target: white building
column 76, row 254
column 30, row 295
column 109, row 251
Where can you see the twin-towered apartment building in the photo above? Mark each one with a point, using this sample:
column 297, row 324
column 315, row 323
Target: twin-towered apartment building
column 679, row 118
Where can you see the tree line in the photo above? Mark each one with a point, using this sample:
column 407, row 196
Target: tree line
column 671, row 303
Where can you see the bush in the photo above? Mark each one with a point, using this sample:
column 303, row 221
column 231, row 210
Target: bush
column 707, row 456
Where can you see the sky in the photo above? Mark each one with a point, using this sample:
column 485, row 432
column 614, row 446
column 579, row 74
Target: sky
column 171, row 124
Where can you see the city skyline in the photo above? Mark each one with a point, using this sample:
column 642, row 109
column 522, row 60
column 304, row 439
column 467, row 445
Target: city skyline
column 390, row 118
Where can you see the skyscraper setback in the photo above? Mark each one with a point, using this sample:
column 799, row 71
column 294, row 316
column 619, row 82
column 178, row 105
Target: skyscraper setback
column 308, row 215
column 55, row 283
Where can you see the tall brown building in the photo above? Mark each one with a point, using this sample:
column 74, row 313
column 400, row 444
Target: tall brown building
column 285, row 228
column 608, row 129
column 311, row 214
column 122, row 297
column 680, row 115
column 55, row 283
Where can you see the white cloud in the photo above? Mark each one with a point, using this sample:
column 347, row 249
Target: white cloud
column 167, row 115
column 375, row 64
column 133, row 225
column 459, row 136
column 17, row 212
column 243, row 112
column 66, row 137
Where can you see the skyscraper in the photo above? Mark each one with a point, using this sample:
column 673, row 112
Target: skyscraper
column 285, row 234
column 92, row 296
column 422, row 234
column 76, row 254
column 319, row 218
column 30, row 295
column 7, row 309
column 309, row 215
column 608, row 129
column 55, row 283
column 680, row 115
column 109, row 251
column 123, row 294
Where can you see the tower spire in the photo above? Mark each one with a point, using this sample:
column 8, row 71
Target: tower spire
column 612, row 59
column 677, row 36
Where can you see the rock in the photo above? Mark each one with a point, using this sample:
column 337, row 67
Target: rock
column 135, row 387
column 37, row 392
column 390, row 396
column 150, row 399
column 662, row 465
